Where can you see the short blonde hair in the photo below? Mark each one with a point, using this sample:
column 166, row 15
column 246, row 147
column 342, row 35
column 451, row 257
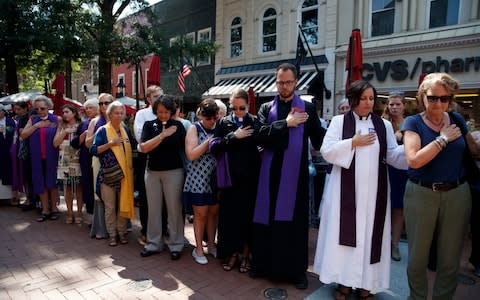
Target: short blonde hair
column 105, row 95
column 443, row 79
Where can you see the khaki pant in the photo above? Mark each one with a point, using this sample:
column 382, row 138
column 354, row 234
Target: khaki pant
column 115, row 224
column 446, row 212
column 168, row 186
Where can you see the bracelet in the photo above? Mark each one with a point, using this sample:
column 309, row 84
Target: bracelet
column 439, row 146
column 444, row 138
column 441, row 141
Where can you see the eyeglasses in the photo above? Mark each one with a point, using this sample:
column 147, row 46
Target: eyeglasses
column 42, row 108
column 443, row 99
column 285, row 83
column 104, row 103
column 235, row 108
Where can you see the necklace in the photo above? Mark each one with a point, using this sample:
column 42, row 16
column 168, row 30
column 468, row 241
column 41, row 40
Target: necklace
column 438, row 124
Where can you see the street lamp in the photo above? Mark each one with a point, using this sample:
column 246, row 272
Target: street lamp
column 120, row 88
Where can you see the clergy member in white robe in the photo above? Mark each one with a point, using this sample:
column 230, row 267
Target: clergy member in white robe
column 351, row 266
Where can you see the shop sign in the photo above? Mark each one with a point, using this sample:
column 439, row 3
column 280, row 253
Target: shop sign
column 400, row 70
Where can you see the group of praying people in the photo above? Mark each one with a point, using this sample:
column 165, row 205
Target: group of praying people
column 247, row 176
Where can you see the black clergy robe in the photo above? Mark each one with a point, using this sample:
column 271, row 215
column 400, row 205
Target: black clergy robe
column 280, row 248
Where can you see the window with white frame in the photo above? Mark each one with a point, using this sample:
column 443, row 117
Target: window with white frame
column 204, row 35
column 236, row 37
column 173, row 64
column 189, row 38
column 383, row 17
column 269, row 30
column 443, row 12
column 310, row 21
column 134, row 83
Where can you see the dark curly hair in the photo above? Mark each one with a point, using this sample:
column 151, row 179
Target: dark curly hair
column 166, row 101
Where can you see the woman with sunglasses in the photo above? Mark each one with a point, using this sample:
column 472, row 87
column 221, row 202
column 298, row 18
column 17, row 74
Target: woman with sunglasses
column 98, row 229
column 68, row 170
column 198, row 189
column 40, row 130
column 437, row 196
column 235, row 143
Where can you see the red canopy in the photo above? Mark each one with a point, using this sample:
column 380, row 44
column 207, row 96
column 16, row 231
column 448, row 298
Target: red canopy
column 252, row 101
column 354, row 58
column 153, row 76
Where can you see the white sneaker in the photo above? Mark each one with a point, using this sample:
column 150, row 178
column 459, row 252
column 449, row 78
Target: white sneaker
column 199, row 259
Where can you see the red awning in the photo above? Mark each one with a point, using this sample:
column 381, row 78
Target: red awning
column 153, row 76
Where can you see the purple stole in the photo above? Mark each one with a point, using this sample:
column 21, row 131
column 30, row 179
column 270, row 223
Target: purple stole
column 17, row 164
column 39, row 182
column 347, row 191
column 287, row 189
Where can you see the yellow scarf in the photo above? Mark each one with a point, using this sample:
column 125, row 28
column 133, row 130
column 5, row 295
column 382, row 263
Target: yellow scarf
column 124, row 158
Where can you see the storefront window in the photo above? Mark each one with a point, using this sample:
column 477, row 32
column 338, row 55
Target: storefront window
column 443, row 13
column 236, row 38
column 270, row 30
column 383, row 16
column 310, row 21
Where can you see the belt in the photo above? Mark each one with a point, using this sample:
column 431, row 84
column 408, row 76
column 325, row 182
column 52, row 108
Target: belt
column 439, row 186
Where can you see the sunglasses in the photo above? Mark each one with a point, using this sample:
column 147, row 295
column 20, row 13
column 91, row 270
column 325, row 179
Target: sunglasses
column 42, row 108
column 443, row 99
column 104, row 103
column 235, row 108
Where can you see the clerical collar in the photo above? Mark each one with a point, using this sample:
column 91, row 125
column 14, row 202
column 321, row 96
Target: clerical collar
column 44, row 118
column 238, row 121
column 363, row 118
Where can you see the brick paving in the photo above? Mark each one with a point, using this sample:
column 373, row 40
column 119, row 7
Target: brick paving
column 53, row 260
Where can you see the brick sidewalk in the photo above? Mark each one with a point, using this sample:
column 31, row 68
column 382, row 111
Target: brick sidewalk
column 53, row 260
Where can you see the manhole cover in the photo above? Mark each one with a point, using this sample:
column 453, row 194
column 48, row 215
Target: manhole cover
column 463, row 279
column 275, row 294
column 140, row 284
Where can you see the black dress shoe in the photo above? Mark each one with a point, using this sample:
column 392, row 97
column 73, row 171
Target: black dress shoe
column 147, row 253
column 175, row 255
column 302, row 283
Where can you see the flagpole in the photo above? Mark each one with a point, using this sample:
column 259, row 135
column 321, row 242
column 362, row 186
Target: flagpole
column 196, row 73
column 328, row 93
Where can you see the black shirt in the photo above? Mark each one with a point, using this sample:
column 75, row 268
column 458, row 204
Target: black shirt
column 168, row 154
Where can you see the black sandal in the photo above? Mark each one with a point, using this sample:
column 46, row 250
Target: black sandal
column 244, row 266
column 54, row 215
column 43, row 217
column 229, row 264
column 342, row 292
column 367, row 296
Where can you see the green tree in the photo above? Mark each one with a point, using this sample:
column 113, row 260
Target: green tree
column 17, row 37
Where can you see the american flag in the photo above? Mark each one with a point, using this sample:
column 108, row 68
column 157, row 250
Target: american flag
column 184, row 72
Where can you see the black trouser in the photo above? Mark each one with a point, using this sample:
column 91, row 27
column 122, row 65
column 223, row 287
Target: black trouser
column 475, row 228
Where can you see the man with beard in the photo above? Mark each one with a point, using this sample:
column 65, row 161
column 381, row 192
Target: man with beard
column 282, row 206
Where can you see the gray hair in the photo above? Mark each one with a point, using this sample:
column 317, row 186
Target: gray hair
column 43, row 99
column 152, row 89
column 92, row 102
column 221, row 106
column 114, row 105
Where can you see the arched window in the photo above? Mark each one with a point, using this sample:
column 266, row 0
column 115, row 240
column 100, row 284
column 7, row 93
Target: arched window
column 269, row 30
column 310, row 21
column 236, row 38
